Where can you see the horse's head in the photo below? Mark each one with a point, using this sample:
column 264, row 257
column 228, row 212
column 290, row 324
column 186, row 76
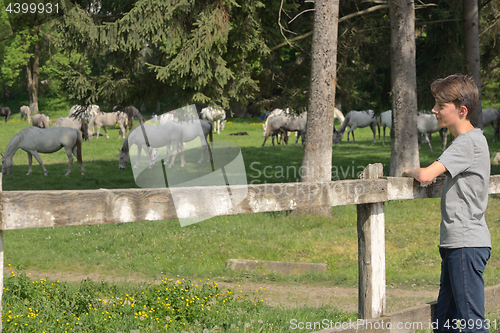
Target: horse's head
column 123, row 160
column 337, row 136
column 222, row 124
column 6, row 164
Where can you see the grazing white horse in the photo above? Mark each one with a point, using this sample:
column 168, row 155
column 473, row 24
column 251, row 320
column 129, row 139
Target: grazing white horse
column 492, row 116
column 40, row 120
column 157, row 136
column 191, row 130
column 25, row 112
column 428, row 124
column 216, row 116
column 108, row 120
column 384, row 120
column 288, row 123
column 34, row 140
column 84, row 113
column 355, row 119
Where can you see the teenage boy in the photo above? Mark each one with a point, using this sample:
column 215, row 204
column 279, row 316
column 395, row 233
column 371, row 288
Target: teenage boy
column 465, row 241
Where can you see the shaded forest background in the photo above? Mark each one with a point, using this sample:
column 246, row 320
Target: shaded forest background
column 165, row 54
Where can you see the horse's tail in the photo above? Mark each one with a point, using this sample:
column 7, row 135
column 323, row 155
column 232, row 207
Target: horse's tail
column 211, row 135
column 79, row 148
column 379, row 123
column 90, row 129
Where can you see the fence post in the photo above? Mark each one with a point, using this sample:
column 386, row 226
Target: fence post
column 371, row 252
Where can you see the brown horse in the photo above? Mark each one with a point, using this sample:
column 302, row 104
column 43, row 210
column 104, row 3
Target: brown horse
column 5, row 111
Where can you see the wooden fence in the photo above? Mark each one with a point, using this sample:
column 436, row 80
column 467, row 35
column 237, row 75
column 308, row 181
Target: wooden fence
column 40, row 209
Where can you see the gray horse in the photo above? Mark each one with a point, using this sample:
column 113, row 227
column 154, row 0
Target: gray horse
column 156, row 136
column 73, row 123
column 288, row 123
column 492, row 116
column 216, row 116
column 355, row 119
column 34, row 140
column 191, row 130
column 108, row 120
column 428, row 124
column 25, row 113
column 384, row 120
column 40, row 120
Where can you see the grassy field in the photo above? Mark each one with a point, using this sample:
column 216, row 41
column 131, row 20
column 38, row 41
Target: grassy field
column 162, row 249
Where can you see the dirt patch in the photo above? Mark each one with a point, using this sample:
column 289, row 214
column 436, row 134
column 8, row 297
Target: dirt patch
column 273, row 294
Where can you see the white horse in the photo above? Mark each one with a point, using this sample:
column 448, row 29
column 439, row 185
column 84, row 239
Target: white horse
column 40, row 120
column 384, row 120
column 85, row 113
column 34, row 140
column 216, row 116
column 73, row 123
column 288, row 123
column 108, row 120
column 492, row 116
column 25, row 112
column 355, row 119
column 154, row 136
column 428, row 124
column 191, row 130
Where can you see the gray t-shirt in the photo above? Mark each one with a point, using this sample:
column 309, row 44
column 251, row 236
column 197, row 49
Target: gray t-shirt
column 465, row 192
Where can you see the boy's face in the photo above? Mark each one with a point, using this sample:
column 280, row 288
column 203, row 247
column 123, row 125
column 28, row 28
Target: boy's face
column 446, row 113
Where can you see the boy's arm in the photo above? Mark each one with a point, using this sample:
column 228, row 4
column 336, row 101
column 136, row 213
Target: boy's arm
column 426, row 174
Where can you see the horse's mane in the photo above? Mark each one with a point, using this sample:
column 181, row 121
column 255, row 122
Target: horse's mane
column 345, row 122
column 13, row 145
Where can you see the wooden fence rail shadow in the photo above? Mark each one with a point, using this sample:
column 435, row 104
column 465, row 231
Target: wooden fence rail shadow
column 40, row 209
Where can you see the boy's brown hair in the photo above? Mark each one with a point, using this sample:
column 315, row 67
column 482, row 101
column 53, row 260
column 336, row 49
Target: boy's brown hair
column 457, row 89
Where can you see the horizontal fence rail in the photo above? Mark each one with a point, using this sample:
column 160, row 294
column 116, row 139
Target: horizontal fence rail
column 40, row 209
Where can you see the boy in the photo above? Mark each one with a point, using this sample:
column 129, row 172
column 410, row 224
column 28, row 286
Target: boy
column 465, row 241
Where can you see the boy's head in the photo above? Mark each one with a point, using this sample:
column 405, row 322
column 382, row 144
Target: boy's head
column 457, row 89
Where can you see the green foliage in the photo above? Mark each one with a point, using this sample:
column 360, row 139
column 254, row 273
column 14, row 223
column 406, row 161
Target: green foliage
column 173, row 305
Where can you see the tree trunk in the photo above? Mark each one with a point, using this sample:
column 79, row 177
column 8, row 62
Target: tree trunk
column 317, row 160
column 472, row 54
column 404, row 144
column 32, row 73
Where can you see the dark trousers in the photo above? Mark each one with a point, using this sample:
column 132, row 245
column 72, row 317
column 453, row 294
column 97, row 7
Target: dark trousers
column 460, row 305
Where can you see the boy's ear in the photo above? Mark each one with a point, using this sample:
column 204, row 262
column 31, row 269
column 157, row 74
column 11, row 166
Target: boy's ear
column 463, row 111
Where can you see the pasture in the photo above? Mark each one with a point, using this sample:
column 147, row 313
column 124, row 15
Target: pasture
column 162, row 249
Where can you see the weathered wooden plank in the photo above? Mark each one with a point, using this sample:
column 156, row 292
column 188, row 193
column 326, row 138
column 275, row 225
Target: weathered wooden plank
column 36, row 209
column 403, row 188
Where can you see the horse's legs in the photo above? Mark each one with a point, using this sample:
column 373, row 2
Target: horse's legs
column 443, row 132
column 428, row 137
column 383, row 140
column 373, row 131
column 69, row 153
column 297, row 138
column 39, row 160
column 30, row 160
column 105, row 131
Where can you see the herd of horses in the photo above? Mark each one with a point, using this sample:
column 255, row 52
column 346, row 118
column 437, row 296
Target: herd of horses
column 69, row 133
column 169, row 131
column 280, row 123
